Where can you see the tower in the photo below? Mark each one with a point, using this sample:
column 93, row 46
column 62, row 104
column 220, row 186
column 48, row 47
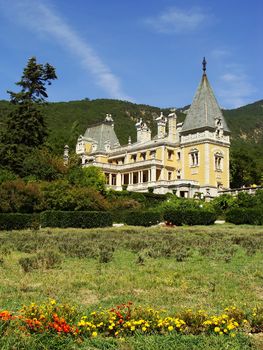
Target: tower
column 205, row 140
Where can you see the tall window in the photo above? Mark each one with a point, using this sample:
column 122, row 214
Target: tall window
column 170, row 154
column 218, row 161
column 194, row 157
column 178, row 155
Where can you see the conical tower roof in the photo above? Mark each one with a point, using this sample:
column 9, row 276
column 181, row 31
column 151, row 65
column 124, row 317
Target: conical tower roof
column 204, row 110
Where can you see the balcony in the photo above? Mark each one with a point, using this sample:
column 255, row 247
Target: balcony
column 126, row 167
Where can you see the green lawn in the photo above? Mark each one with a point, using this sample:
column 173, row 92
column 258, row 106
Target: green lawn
column 206, row 268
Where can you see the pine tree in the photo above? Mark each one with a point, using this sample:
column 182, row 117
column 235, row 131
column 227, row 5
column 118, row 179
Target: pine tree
column 26, row 123
column 26, row 127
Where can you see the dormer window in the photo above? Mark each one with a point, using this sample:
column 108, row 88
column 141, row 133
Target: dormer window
column 218, row 122
column 194, row 157
column 143, row 156
column 133, row 157
column 153, row 154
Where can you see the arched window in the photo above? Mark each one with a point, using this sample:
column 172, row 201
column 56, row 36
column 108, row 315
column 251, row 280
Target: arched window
column 218, row 161
column 194, row 157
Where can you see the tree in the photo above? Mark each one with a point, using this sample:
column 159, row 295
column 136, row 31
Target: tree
column 26, row 126
column 91, row 177
column 43, row 165
column 26, row 123
column 243, row 169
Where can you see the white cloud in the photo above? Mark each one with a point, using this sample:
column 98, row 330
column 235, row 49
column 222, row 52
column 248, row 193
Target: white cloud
column 41, row 18
column 174, row 20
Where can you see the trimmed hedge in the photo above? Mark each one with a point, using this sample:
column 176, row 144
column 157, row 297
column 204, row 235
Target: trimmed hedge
column 250, row 216
column 82, row 219
column 18, row 221
column 191, row 217
column 143, row 218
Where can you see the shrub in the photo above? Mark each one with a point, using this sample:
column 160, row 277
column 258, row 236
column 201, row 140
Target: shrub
column 173, row 216
column 47, row 259
column 83, row 219
column 105, row 254
column 19, row 197
column 246, row 200
column 17, row 221
column 180, row 217
column 143, row 218
column 224, row 202
column 60, row 195
column 250, row 216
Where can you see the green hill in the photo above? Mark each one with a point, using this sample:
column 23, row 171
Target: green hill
column 67, row 120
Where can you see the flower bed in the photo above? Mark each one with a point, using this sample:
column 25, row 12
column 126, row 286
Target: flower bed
column 127, row 320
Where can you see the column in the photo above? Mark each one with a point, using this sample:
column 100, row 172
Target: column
column 118, row 180
column 149, row 175
column 110, row 179
column 153, row 173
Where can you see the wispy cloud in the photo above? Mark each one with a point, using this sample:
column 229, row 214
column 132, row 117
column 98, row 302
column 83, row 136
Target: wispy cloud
column 235, row 89
column 220, row 53
column 175, row 20
column 234, row 85
column 41, row 18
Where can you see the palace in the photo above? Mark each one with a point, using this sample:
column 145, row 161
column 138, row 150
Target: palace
column 188, row 159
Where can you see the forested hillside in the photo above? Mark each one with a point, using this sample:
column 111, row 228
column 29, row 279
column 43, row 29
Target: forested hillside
column 67, row 120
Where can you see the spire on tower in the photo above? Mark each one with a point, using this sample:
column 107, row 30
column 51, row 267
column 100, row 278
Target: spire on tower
column 204, row 66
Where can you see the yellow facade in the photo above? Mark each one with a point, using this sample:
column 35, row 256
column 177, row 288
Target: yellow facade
column 187, row 158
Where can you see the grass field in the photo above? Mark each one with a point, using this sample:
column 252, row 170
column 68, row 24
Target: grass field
column 206, row 268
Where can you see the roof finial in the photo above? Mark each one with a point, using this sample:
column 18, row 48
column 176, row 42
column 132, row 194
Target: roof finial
column 204, row 65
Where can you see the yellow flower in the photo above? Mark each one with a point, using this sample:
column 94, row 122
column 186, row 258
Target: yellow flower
column 132, row 328
column 217, row 329
column 144, row 329
column 232, row 335
column 53, row 302
column 170, row 328
column 230, row 326
column 94, row 334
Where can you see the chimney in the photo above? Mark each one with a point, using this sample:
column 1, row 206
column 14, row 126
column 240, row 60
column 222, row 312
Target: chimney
column 172, row 126
column 161, row 124
column 143, row 132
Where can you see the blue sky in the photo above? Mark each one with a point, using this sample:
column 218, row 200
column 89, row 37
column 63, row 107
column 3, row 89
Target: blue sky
column 145, row 51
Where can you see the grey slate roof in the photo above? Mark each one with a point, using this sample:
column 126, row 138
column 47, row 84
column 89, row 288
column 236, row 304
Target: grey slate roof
column 102, row 133
column 204, row 110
